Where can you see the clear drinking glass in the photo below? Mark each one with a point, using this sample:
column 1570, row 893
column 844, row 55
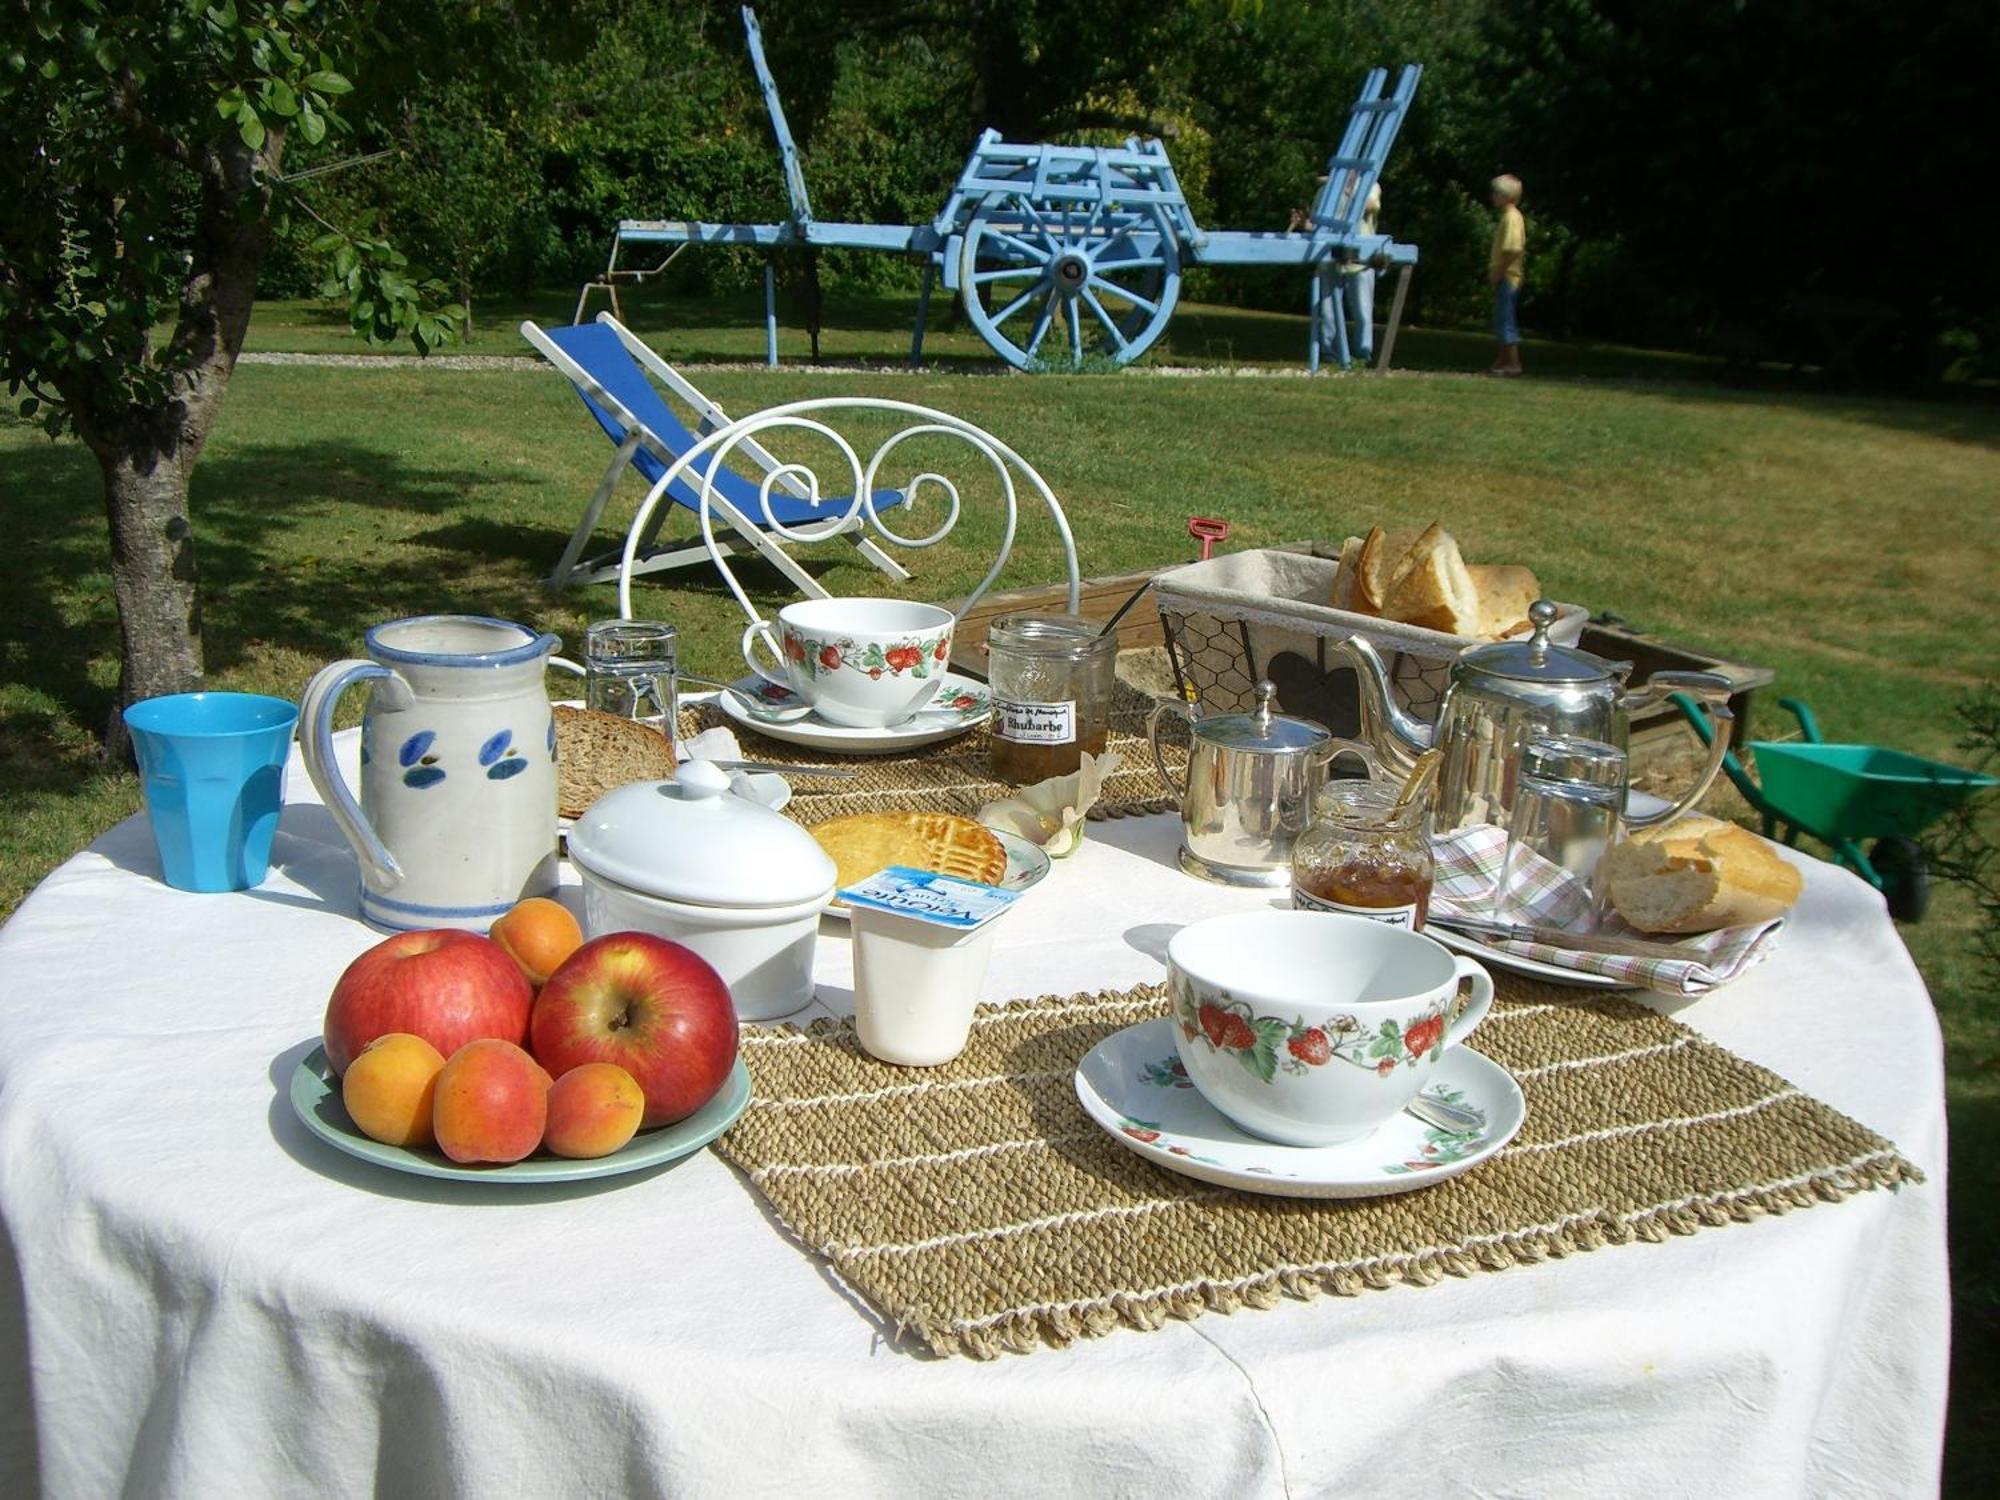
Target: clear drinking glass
column 631, row 669
column 1568, row 803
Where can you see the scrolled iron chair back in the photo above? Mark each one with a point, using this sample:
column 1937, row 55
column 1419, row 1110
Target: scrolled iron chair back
column 802, row 481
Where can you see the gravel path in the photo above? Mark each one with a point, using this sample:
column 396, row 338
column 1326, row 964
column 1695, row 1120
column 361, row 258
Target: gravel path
column 529, row 362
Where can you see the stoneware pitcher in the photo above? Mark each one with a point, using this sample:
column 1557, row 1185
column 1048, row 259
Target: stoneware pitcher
column 457, row 817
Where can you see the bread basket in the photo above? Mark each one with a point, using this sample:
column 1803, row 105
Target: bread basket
column 1249, row 616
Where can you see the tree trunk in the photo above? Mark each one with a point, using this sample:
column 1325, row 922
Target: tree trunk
column 153, row 580
column 148, row 452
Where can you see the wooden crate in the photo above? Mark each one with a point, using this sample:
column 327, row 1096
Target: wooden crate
column 1099, row 598
column 1663, row 748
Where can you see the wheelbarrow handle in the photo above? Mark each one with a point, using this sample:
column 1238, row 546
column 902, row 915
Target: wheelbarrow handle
column 1697, row 718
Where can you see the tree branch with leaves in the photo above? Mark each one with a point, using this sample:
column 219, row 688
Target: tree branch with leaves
column 140, row 182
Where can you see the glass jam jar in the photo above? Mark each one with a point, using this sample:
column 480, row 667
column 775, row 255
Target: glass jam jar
column 1052, row 678
column 1364, row 858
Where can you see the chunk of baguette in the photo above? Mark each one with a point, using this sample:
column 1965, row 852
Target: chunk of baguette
column 1381, row 565
column 1436, row 591
column 1505, row 591
column 1697, row 874
column 1344, row 576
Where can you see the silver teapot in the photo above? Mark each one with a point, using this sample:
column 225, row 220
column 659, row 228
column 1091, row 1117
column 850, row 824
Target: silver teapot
column 1503, row 695
column 1249, row 788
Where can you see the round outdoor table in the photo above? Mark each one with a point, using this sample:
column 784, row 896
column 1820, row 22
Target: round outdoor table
column 210, row 1301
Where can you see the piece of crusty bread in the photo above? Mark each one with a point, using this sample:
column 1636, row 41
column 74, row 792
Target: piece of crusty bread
column 1505, row 591
column 868, row 843
column 599, row 752
column 1697, row 874
column 1383, row 561
column 1345, row 575
column 1436, row 591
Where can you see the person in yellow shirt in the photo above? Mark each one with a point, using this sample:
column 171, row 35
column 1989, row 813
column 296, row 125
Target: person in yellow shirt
column 1510, row 253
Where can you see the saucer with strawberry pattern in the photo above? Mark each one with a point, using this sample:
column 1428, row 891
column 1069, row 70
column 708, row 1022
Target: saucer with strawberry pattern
column 960, row 704
column 1132, row 1084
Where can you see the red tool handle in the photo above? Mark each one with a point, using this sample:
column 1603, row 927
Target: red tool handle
column 1208, row 530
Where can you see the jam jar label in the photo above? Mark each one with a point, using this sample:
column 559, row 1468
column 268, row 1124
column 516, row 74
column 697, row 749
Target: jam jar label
column 1034, row 723
column 1390, row 916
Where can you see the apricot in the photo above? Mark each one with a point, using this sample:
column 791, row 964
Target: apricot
column 388, row 1089
column 491, row 1103
column 538, row 934
column 594, row 1109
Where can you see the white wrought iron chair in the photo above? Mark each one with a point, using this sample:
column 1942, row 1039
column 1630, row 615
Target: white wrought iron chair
column 857, row 483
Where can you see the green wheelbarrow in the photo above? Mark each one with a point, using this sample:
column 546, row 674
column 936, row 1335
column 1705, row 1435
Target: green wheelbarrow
column 1843, row 794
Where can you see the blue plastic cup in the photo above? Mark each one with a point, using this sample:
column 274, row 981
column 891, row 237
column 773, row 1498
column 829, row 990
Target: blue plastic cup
column 213, row 768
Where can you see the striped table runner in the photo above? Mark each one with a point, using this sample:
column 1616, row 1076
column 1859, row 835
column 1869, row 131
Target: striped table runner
column 979, row 1209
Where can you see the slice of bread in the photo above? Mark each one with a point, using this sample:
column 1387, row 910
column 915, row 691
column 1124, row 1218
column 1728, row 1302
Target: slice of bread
column 599, row 752
column 1345, row 576
column 1505, row 591
column 1436, row 591
column 1380, row 566
column 1697, row 874
column 868, row 843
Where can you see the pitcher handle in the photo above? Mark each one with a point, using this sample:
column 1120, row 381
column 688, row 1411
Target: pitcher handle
column 1166, row 705
column 316, row 750
column 1371, row 763
column 760, row 630
column 1475, row 1009
column 1712, row 690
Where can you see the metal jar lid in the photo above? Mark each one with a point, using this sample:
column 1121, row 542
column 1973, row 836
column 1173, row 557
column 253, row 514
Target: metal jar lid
column 1536, row 659
column 1261, row 730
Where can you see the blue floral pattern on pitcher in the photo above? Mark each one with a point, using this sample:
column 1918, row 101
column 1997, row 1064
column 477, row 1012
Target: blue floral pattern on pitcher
column 420, row 766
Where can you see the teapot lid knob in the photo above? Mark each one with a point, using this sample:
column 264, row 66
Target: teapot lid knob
column 1266, row 690
column 1541, row 615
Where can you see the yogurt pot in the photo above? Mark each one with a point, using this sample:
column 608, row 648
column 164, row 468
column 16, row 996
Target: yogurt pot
column 921, row 946
column 731, row 879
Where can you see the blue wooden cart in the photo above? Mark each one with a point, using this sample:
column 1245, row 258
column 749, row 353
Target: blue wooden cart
column 1071, row 256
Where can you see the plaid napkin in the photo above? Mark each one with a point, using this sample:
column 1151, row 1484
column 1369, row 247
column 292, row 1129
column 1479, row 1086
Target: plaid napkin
column 1468, row 869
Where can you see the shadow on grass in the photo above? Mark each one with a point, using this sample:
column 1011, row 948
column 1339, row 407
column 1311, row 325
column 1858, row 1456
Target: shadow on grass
column 287, row 559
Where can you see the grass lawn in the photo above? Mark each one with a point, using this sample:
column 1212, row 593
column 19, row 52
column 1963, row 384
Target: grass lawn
column 1849, row 543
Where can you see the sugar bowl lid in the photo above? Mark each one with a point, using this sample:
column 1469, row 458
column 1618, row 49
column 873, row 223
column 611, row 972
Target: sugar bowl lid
column 689, row 840
column 1262, row 730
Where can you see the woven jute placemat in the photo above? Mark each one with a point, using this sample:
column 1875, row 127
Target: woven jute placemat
column 954, row 776
column 980, row 1210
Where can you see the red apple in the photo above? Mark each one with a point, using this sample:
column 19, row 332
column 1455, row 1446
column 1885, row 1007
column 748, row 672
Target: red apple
column 449, row 988
column 654, row 1008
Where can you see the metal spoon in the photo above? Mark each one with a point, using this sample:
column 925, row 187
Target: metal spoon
column 1125, row 609
column 1444, row 1114
column 757, row 708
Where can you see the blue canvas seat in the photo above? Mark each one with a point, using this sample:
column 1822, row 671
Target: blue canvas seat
column 613, row 371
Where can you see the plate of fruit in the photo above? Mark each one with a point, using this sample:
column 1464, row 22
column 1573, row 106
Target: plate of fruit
column 526, row 1056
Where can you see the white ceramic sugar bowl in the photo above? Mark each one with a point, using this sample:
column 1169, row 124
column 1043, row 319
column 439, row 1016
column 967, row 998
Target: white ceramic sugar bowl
column 735, row 881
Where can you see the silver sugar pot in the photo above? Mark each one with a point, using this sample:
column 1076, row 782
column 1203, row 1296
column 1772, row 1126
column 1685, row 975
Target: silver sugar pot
column 1505, row 694
column 1249, row 788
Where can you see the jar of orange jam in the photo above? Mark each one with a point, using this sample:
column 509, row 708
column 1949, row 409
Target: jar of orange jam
column 1364, row 857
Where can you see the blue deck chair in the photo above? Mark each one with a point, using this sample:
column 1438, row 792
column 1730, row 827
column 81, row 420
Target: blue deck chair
column 609, row 365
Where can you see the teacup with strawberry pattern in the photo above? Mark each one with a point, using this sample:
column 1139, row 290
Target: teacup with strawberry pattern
column 1308, row 1027
column 865, row 663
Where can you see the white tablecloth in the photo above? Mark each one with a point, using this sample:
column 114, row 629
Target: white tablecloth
column 211, row 1302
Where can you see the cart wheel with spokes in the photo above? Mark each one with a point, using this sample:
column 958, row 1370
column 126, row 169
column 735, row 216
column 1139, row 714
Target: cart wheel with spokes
column 1905, row 871
column 1058, row 287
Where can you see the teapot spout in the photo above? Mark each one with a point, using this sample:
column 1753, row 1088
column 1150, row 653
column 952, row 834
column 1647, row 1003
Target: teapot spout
column 1396, row 738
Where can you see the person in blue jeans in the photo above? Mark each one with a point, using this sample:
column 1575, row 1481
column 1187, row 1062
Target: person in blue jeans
column 1507, row 266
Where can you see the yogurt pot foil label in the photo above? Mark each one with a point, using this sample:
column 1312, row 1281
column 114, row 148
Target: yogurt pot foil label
column 931, row 897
